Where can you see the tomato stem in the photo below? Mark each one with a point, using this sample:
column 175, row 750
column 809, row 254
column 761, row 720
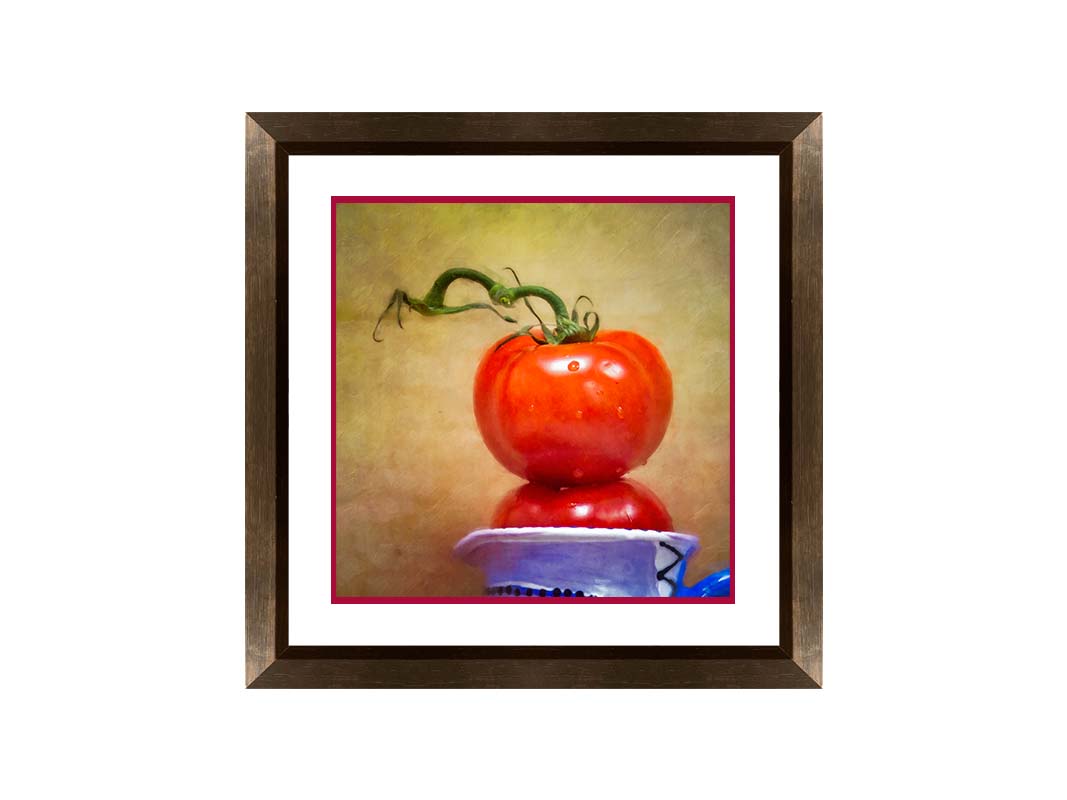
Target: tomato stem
column 567, row 329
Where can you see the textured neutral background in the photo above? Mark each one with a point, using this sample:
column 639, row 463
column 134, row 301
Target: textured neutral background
column 413, row 475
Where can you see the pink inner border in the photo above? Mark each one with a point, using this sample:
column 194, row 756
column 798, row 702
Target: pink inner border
column 334, row 597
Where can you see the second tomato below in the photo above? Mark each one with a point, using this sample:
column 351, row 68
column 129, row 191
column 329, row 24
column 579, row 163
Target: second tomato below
column 618, row 504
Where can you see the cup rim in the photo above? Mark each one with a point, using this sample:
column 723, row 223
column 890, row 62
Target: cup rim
column 483, row 536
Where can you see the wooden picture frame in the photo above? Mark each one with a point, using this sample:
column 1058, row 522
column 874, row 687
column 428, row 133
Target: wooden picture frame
column 794, row 138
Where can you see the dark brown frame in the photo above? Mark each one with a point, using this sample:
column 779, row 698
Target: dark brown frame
column 795, row 138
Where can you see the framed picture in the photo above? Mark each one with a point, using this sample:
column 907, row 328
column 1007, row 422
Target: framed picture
column 533, row 400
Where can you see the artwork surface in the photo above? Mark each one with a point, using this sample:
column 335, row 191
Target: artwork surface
column 533, row 399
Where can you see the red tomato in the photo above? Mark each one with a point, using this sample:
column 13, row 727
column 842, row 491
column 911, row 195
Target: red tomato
column 618, row 504
column 570, row 414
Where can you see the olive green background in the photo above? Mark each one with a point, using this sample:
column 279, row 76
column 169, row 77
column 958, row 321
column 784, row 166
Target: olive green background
column 413, row 475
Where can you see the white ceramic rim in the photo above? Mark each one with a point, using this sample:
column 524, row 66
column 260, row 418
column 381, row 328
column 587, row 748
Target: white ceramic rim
column 472, row 541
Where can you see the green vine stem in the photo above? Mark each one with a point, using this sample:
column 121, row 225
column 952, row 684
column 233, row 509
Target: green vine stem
column 568, row 328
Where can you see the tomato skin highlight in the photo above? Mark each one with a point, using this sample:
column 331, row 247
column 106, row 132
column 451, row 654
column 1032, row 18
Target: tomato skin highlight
column 618, row 504
column 572, row 414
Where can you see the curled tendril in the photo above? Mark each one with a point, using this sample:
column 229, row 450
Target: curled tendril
column 400, row 299
column 574, row 308
column 567, row 327
column 596, row 322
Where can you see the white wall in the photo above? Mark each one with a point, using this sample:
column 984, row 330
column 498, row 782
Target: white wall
column 121, row 434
